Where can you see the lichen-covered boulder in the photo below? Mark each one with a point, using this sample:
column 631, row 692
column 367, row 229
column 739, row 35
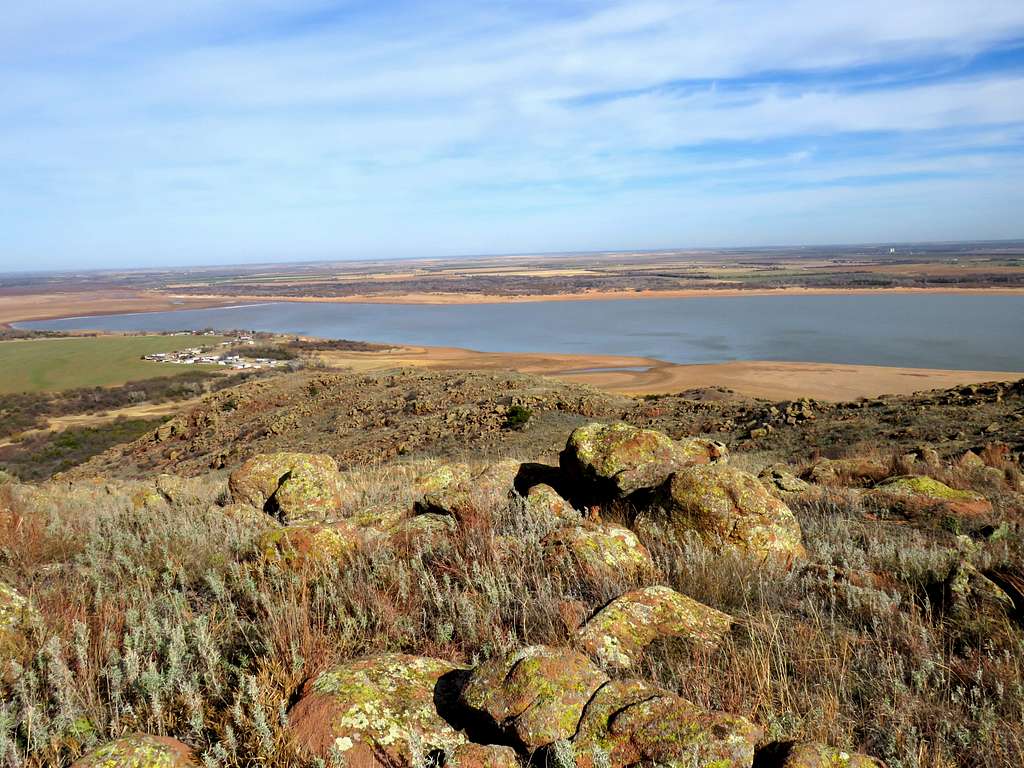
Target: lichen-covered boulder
column 495, row 483
column 630, row 722
column 16, row 617
column 536, row 694
column 599, row 552
column 309, row 543
column 615, row 460
column 728, row 509
column 443, row 490
column 140, row 750
column 856, row 472
column 915, row 495
column 544, row 504
column 809, row 754
column 788, row 487
column 379, row 711
column 617, row 634
column 290, row 486
column 482, row 756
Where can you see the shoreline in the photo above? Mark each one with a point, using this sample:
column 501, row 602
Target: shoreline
column 682, row 293
column 24, row 308
column 638, row 376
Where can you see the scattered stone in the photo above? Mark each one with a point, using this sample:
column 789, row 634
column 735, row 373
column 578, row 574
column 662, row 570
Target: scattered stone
column 309, row 543
column 600, row 551
column 378, row 712
column 728, row 509
column 536, row 694
column 615, row 460
column 289, row 486
column 618, row 634
column 630, row 722
column 140, row 750
column 915, row 495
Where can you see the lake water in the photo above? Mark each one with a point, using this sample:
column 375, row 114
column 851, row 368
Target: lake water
column 981, row 332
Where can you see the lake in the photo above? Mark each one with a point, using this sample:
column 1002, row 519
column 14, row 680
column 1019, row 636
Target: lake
column 980, row 332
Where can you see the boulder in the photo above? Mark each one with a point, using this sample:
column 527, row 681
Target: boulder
column 16, row 617
column 630, row 722
column 545, row 504
column 856, row 472
column 309, row 543
column 482, row 756
column 614, row 460
column 786, row 486
column 599, row 552
column 810, row 754
column 536, row 694
column 378, row 711
column 289, row 486
column 969, row 595
column 618, row 634
column 914, row 495
column 443, row 490
column 726, row 508
column 140, row 750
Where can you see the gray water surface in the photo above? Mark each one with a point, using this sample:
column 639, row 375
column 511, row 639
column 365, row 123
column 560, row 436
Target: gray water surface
column 980, row 332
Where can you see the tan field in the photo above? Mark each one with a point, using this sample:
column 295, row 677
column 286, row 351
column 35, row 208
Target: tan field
column 488, row 298
column 45, row 306
column 765, row 379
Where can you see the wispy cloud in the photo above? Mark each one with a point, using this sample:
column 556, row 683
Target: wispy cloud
column 216, row 130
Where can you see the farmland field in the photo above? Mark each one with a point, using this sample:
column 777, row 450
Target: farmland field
column 39, row 365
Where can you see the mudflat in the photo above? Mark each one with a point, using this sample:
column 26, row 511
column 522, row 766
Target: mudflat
column 646, row 376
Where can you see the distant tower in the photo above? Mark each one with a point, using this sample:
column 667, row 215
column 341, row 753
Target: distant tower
column 892, row 251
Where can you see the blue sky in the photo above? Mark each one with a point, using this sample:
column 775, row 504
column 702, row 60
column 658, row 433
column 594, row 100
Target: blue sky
column 218, row 131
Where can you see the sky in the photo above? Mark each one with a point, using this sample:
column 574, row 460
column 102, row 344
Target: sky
column 227, row 131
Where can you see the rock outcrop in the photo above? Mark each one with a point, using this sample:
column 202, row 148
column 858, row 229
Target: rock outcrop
column 788, row 487
column 726, row 508
column 536, row 694
column 140, row 750
column 811, row 754
column 289, row 486
column 601, row 552
column 615, row 460
column 309, row 543
column 915, row 495
column 630, row 722
column 379, row 711
column 16, row 616
column 618, row 634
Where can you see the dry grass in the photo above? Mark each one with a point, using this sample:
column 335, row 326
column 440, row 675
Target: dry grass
column 158, row 619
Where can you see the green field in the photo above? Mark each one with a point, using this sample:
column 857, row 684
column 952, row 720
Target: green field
column 39, row 365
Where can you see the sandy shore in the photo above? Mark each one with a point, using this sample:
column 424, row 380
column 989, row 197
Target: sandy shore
column 483, row 298
column 642, row 376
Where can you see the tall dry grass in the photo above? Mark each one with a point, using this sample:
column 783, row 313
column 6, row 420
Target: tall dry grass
column 160, row 619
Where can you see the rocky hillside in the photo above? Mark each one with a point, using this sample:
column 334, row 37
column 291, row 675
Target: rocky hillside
column 414, row 414
column 639, row 599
